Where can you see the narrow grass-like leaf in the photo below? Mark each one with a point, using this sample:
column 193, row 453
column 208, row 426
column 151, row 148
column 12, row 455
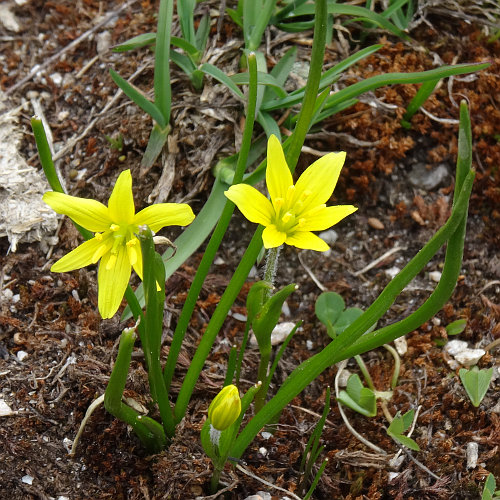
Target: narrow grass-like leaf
column 423, row 93
column 219, row 75
column 138, row 98
column 263, row 79
column 137, row 42
column 157, row 140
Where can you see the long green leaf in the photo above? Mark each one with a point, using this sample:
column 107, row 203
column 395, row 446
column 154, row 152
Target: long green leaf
column 138, row 98
column 213, row 71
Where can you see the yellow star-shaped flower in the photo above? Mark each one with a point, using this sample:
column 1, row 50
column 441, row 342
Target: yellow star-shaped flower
column 114, row 241
column 294, row 210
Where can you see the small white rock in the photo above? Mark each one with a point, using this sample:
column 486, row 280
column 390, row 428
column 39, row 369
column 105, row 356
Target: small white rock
column 21, row 355
column 239, row 317
column 309, row 345
column 453, row 347
column 67, row 443
column 435, row 276
column 392, row 475
column 278, row 335
column 330, row 236
column 436, row 321
column 263, row 451
column 5, row 409
column 7, row 294
column 27, row 479
column 219, row 261
column 56, row 78
column 344, row 377
column 470, row 357
column 472, row 454
column 392, row 272
column 401, row 346
column 266, row 435
column 253, row 272
column 103, row 41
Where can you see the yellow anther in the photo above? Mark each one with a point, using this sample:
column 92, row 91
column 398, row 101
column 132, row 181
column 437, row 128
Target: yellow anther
column 290, row 192
column 306, row 194
column 132, row 242
column 114, row 227
column 98, row 236
column 278, row 202
column 111, row 262
column 286, row 217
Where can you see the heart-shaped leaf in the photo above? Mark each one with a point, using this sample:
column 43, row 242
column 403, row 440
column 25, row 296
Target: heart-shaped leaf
column 476, row 383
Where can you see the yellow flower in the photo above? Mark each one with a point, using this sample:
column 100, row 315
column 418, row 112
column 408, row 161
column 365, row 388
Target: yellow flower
column 114, row 241
column 225, row 408
column 294, row 210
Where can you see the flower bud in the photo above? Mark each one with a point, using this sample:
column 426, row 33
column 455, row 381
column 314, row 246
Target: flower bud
column 225, row 408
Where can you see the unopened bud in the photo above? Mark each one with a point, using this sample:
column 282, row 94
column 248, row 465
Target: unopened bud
column 225, row 408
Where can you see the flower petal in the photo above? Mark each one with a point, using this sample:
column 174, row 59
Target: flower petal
column 79, row 257
column 273, row 238
column 319, row 180
column 138, row 264
column 121, row 202
column 278, row 176
column 307, row 241
column 113, row 281
column 326, row 217
column 165, row 214
column 252, row 203
column 90, row 214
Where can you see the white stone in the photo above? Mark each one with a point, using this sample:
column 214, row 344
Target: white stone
column 470, row 357
column 239, row 317
column 219, row 261
column 472, row 454
column 401, row 345
column 103, row 41
column 453, row 347
column 330, row 236
column 344, row 377
column 435, row 276
column 263, row 451
column 309, row 345
column 392, row 272
column 266, row 435
column 27, row 479
column 56, row 78
column 22, row 355
column 278, row 335
column 5, row 409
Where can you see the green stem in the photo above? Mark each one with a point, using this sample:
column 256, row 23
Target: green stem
column 364, row 371
column 262, row 376
column 271, row 266
column 215, row 323
column 154, row 273
column 397, row 365
column 219, row 232
column 312, row 85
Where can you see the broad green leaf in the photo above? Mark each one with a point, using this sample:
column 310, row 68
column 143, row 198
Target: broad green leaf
column 406, row 441
column 489, row 488
column 328, row 307
column 456, row 327
column 346, row 317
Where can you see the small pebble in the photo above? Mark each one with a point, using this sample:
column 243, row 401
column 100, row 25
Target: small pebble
column 309, row 345
column 401, row 346
column 266, row 435
column 219, row 261
column 27, row 479
column 435, row 276
column 344, row 377
column 278, row 335
column 472, row 454
column 5, row 409
column 470, row 357
column 375, row 223
column 263, row 451
column 427, row 179
column 330, row 236
column 453, row 347
column 21, row 355
column 392, row 272
column 253, row 272
column 56, row 78
column 103, row 41
column 239, row 317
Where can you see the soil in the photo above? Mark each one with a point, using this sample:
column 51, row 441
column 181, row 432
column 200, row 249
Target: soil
column 69, row 350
